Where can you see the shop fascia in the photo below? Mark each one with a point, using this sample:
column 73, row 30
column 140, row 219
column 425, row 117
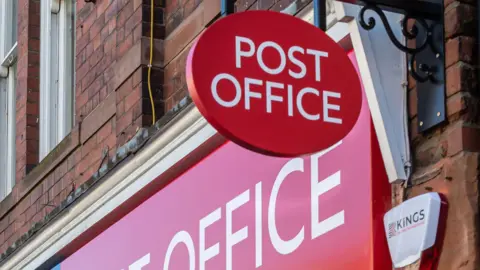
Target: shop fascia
column 186, row 133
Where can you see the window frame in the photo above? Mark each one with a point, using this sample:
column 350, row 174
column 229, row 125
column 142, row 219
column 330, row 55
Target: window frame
column 56, row 72
column 8, row 82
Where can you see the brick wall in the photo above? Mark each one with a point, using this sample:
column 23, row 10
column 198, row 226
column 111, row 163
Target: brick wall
column 185, row 20
column 446, row 159
column 111, row 103
column 28, row 95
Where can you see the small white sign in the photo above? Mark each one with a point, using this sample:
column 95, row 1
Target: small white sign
column 411, row 228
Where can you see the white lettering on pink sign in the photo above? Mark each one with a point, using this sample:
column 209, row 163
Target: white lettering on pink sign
column 281, row 245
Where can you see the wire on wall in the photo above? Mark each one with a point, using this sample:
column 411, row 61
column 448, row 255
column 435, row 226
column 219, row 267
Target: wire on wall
column 150, row 63
column 407, row 159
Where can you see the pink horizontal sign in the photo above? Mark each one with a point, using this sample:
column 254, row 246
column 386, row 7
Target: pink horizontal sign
column 237, row 209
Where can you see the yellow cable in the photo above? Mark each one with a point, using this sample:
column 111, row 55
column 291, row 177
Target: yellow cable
column 150, row 65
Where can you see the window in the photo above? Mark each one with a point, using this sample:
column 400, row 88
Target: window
column 8, row 82
column 56, row 72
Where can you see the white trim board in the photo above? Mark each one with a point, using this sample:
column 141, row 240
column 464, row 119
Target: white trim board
column 383, row 72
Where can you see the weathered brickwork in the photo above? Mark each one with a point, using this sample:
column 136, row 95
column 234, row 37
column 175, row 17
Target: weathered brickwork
column 111, row 103
column 185, row 20
column 446, row 159
column 28, row 95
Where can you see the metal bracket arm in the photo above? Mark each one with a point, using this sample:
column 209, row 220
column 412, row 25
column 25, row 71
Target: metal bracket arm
column 426, row 60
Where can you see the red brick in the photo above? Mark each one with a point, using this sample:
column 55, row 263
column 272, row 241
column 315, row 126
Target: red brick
column 83, row 12
column 460, row 77
column 89, row 49
column 138, row 33
column 457, row 103
column 33, row 97
column 95, row 87
column 112, row 25
column 103, row 93
column 96, row 57
column 110, row 43
column 96, row 100
column 89, row 145
column 137, row 77
column 39, row 215
column 104, row 63
column 104, row 131
column 43, row 200
column 2, row 237
column 48, row 182
column 81, row 100
column 133, row 21
column 61, row 170
column 97, row 25
column 33, row 108
column 460, row 18
column 120, row 32
column 120, row 108
column 96, row 42
column 34, row 45
column 101, row 6
column 110, row 141
column 23, row 205
column 124, row 121
column 73, row 159
column 133, row 98
column 88, row 107
column 82, row 166
column 9, row 231
column 462, row 138
column 82, row 42
column 125, row 13
column 89, row 78
column 125, row 45
column 67, row 181
column 89, row 21
column 111, row 11
column 36, row 193
column 124, row 89
column 95, row 155
column 34, row 31
column 32, row 83
column 459, row 49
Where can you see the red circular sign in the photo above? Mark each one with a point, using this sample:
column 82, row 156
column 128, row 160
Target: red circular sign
column 273, row 83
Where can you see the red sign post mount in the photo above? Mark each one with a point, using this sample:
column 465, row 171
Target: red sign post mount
column 273, row 83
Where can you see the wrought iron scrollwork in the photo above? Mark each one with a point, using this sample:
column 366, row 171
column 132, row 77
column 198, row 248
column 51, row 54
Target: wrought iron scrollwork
column 426, row 72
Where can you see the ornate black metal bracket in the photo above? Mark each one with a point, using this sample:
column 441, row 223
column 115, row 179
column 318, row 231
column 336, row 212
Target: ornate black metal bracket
column 426, row 61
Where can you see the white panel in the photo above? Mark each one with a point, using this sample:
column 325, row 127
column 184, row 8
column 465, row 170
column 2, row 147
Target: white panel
column 65, row 71
column 383, row 72
column 3, row 132
column 54, row 90
column 11, row 129
column 45, row 101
